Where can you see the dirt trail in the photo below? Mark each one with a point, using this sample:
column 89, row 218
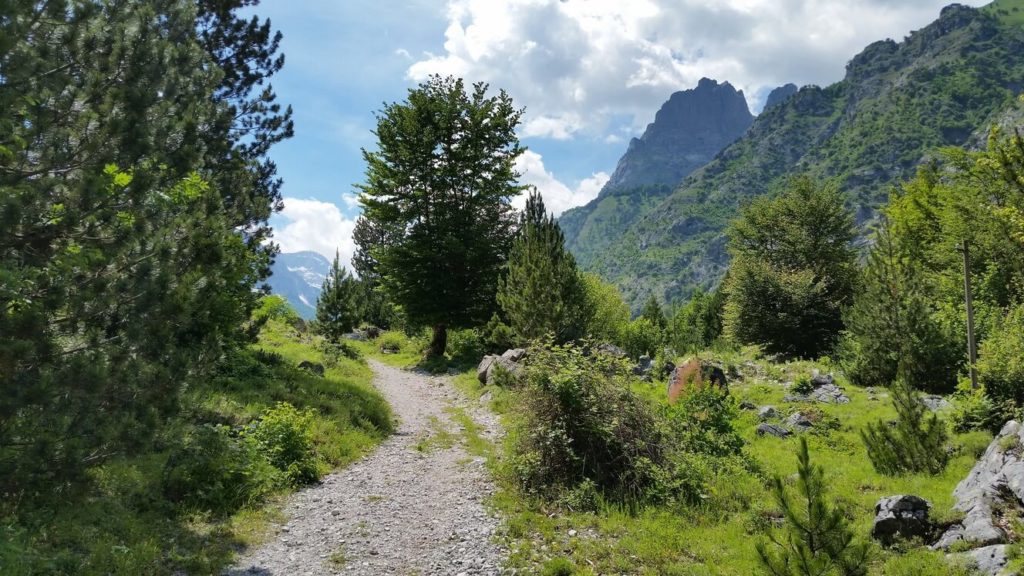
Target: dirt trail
column 413, row 506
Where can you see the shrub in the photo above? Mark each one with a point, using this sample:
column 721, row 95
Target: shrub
column 391, row 342
column 465, row 346
column 702, row 422
column 498, row 336
column 642, row 336
column 610, row 312
column 698, row 324
column 818, row 540
column 916, row 444
column 803, row 385
column 1001, row 360
column 214, row 470
column 285, row 435
column 558, row 567
column 974, row 410
column 579, row 421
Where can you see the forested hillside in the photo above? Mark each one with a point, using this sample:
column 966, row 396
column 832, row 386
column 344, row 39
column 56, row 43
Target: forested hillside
column 899, row 101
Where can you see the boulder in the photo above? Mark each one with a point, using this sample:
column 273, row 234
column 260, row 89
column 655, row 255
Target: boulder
column 514, row 368
column 767, row 412
column 643, row 366
column 772, row 430
column 995, row 483
column 357, row 335
column 694, row 373
column 312, row 367
column 797, row 421
column 818, row 379
column 747, row 405
column 990, row 560
column 372, row 332
column 514, row 355
column 610, row 350
column 826, row 394
column 484, row 367
column 934, row 402
column 901, row 516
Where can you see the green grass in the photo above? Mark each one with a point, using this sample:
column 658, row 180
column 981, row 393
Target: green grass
column 1011, row 12
column 121, row 523
column 718, row 537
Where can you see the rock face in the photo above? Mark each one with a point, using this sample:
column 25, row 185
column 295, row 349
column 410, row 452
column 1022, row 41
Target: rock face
column 298, row 277
column 694, row 373
column 687, row 132
column 990, row 560
column 995, row 482
column 901, row 516
column 510, row 360
column 779, row 95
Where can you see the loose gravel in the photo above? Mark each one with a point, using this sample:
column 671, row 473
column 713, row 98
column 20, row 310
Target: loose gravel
column 414, row 506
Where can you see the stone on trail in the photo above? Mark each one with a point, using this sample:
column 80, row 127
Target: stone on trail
column 903, row 516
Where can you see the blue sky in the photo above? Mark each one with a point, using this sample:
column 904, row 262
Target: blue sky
column 591, row 74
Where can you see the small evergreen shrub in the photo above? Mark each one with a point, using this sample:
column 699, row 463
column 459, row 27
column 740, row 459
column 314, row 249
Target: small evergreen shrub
column 816, row 539
column 215, row 470
column 974, row 410
column 916, row 444
column 558, row 567
column 497, row 336
column 285, row 435
column 803, row 385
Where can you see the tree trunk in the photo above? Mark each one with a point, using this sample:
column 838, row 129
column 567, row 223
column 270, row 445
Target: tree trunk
column 439, row 342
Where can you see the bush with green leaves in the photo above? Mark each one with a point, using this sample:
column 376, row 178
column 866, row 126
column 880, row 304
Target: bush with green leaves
column 1001, row 360
column 284, row 435
column 497, row 335
column 465, row 346
column 642, row 337
column 793, row 271
column 340, row 305
column 702, row 422
column 610, row 311
column 698, row 324
column 974, row 410
column 816, row 539
column 216, row 470
column 578, row 421
column 917, row 443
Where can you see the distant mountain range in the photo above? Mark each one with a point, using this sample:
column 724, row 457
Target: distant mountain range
column 658, row 226
column 298, row 277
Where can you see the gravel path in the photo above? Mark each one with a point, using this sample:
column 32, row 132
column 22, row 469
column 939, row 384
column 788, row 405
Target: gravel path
column 414, row 506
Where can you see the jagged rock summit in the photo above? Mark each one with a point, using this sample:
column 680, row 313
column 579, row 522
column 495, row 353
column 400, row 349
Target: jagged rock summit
column 779, row 95
column 687, row 132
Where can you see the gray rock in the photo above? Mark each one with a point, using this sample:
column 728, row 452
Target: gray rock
column 901, row 516
column 990, row 560
column 610, row 350
column 818, row 379
column 643, row 366
column 767, row 412
column 501, row 362
column 312, row 367
column 934, row 402
column 799, row 422
column 484, row 367
column 825, row 394
column 747, row 405
column 772, row 430
column 514, row 355
column 357, row 335
column 999, row 473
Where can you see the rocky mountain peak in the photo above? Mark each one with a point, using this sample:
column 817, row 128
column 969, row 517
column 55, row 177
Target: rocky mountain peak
column 779, row 95
column 687, row 132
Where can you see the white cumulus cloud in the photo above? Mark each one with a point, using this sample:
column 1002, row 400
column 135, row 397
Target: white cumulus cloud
column 557, row 196
column 575, row 64
column 317, row 226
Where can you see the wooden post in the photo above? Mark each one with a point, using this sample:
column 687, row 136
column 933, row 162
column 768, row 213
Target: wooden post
column 972, row 350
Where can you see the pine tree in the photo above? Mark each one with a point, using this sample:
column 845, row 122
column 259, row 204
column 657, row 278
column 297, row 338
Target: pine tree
column 339, row 308
column 541, row 291
column 916, row 444
column 443, row 177
column 793, row 270
column 698, row 324
column 817, row 539
column 652, row 311
column 891, row 333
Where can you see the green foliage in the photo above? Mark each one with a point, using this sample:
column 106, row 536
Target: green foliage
column 1001, row 360
column 558, row 567
column 702, row 421
column 611, row 314
column 541, row 291
column 133, row 152
column 892, row 332
column 698, row 324
column 803, row 385
column 498, row 335
column 974, row 410
column 340, row 305
column 284, row 434
column 793, row 271
column 578, row 421
column 466, row 347
column 916, row 444
column 216, row 470
column 816, row 539
column 652, row 312
column 274, row 307
column 448, row 204
column 642, row 336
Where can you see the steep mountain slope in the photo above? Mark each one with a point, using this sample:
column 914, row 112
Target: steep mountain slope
column 897, row 103
column 298, row 276
column 687, row 132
